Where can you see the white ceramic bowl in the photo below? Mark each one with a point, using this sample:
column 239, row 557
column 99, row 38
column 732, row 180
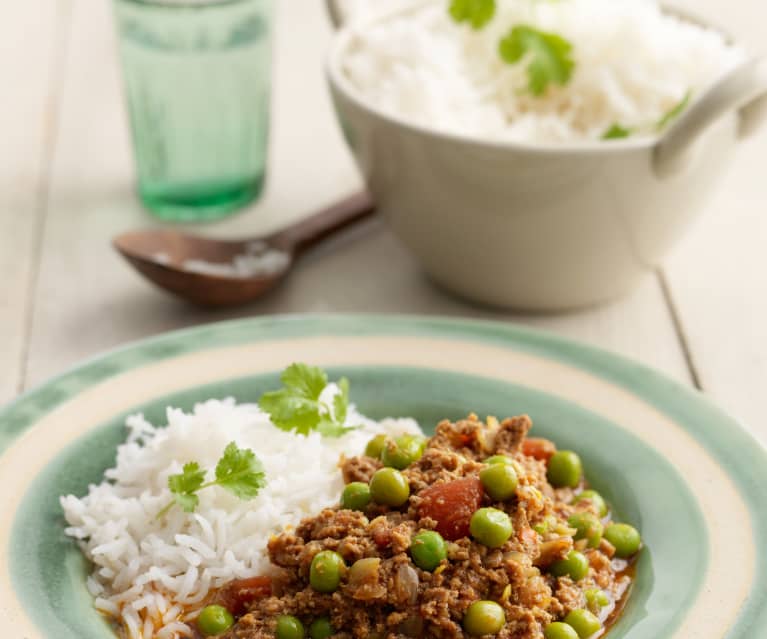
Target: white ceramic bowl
column 541, row 228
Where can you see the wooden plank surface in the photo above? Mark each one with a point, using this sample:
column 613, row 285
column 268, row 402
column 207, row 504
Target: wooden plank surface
column 27, row 129
column 88, row 300
column 718, row 275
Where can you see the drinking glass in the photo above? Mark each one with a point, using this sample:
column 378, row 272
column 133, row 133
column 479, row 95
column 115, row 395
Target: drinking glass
column 197, row 80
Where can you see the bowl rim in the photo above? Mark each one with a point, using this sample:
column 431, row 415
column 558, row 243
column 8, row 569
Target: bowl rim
column 340, row 84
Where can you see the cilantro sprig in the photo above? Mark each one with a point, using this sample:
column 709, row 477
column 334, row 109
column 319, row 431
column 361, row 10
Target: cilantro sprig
column 548, row 55
column 476, row 13
column 238, row 471
column 297, row 407
column 674, row 112
column 618, row 131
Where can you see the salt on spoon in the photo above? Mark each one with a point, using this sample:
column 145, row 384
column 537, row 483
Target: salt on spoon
column 258, row 260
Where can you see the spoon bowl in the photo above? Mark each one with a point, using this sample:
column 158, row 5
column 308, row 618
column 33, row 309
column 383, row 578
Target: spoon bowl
column 218, row 273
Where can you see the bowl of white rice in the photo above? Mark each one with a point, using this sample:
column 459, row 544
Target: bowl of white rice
column 544, row 155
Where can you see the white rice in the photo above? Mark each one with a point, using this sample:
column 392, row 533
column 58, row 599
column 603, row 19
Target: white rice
column 152, row 575
column 633, row 64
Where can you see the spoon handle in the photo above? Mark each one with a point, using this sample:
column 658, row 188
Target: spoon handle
column 312, row 230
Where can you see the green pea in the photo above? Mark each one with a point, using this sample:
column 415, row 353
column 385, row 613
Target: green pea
column 321, row 628
column 375, row 446
column 559, row 630
column 214, row 620
column 595, row 498
column 499, row 480
column 596, row 599
column 421, row 441
column 288, row 627
column 356, row 496
column 428, row 549
column 583, row 622
column 326, row 571
column 491, row 527
column 414, row 445
column 625, row 538
column 404, row 451
column 575, row 565
column 588, row 526
column 498, row 459
column 565, row 469
column 484, row 618
column 389, row 487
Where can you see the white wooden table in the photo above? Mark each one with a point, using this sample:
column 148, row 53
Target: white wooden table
column 66, row 188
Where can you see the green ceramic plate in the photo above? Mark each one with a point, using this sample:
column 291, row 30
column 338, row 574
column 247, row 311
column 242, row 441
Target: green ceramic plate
column 689, row 476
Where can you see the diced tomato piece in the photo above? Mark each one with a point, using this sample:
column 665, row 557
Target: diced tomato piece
column 464, row 439
column 541, row 449
column 236, row 596
column 451, row 505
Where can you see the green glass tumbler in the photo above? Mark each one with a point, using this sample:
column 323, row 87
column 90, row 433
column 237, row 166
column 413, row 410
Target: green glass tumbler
column 197, row 83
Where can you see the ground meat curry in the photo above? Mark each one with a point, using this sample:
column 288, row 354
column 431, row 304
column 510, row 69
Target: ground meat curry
column 477, row 531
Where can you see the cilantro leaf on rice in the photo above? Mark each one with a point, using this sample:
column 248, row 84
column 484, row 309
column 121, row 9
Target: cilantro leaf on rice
column 240, row 472
column 548, row 56
column 616, row 132
column 476, row 12
column 308, row 381
column 675, row 111
column 298, row 406
column 184, row 485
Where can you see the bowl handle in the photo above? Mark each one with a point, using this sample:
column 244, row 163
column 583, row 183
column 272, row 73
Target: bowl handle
column 335, row 13
column 744, row 89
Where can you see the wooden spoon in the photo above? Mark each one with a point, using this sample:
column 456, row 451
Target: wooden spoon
column 217, row 273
